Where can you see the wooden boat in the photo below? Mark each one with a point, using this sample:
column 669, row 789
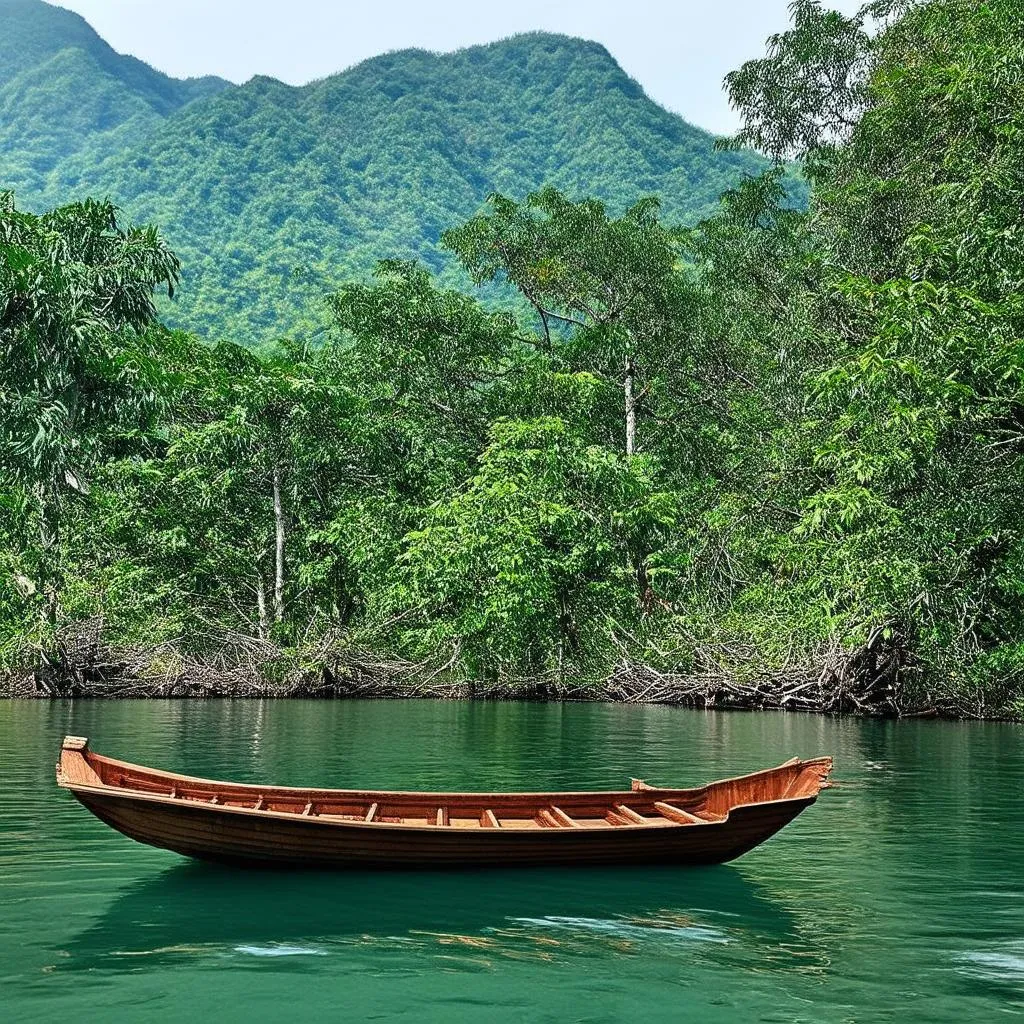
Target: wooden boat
column 276, row 825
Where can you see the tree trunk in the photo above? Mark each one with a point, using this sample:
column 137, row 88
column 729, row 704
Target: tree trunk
column 261, row 606
column 629, row 388
column 631, row 407
column 279, row 533
column 49, row 544
column 643, row 584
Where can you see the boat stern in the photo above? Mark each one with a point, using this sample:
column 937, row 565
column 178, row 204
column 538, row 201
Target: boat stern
column 73, row 767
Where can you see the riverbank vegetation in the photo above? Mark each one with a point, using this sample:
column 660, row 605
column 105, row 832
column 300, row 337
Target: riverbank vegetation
column 773, row 459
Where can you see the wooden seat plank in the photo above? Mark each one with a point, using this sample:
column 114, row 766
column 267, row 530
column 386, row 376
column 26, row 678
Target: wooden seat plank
column 630, row 815
column 677, row 814
column 562, row 818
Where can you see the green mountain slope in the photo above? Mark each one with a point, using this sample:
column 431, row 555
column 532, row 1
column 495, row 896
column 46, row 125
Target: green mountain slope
column 64, row 91
column 34, row 31
column 273, row 194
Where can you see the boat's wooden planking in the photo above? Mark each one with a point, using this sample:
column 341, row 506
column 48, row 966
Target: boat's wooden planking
column 236, row 822
column 224, row 836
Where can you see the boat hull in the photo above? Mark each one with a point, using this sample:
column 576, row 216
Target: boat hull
column 231, row 837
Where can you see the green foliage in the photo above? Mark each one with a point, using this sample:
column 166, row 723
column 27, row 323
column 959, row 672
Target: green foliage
column 78, row 375
column 775, row 440
column 76, row 293
column 526, row 570
column 907, row 328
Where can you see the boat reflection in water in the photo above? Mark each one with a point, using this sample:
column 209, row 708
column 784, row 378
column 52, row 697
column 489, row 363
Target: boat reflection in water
column 196, row 910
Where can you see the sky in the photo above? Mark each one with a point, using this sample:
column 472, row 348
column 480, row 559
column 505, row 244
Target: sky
column 679, row 50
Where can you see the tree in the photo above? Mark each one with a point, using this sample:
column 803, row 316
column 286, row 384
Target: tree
column 607, row 291
column 909, row 115
column 520, row 573
column 77, row 367
column 247, row 461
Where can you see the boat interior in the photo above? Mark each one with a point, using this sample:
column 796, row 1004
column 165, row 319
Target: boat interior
column 642, row 805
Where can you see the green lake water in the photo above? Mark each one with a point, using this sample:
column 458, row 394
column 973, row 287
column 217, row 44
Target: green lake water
column 898, row 897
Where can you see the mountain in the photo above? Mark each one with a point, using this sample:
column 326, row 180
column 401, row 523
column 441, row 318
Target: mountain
column 274, row 194
column 64, row 91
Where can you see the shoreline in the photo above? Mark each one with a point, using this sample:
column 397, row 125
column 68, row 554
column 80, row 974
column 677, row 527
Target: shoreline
column 869, row 682
column 708, row 694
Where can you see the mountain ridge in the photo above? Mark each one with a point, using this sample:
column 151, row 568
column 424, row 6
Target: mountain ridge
column 35, row 30
column 273, row 194
column 63, row 89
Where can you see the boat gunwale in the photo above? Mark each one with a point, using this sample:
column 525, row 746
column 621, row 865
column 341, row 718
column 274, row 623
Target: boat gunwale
column 126, row 793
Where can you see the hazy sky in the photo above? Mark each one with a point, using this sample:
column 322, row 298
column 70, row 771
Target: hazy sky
column 679, row 51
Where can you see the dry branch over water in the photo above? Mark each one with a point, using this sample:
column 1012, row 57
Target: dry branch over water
column 871, row 681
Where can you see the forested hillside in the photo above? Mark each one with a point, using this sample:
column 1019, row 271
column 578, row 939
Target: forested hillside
column 65, row 92
column 775, row 458
column 274, row 195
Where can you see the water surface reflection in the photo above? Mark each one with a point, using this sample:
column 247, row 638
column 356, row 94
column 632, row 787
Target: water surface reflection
column 190, row 908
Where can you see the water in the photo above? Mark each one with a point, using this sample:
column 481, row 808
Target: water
column 899, row 896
